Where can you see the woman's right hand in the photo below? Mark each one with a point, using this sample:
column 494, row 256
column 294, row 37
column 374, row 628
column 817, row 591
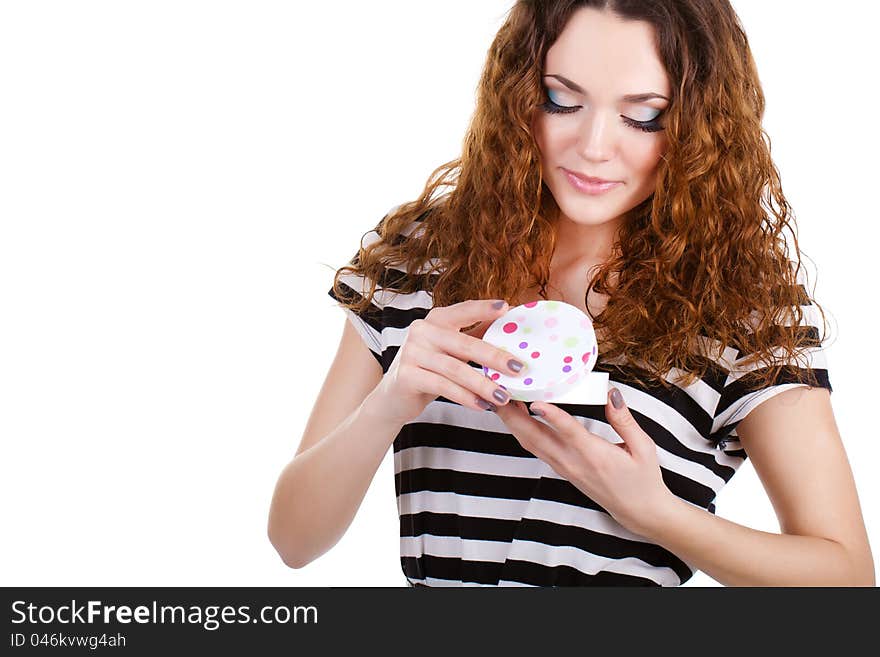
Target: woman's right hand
column 433, row 361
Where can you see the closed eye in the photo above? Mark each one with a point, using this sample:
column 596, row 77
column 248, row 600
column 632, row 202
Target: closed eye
column 653, row 125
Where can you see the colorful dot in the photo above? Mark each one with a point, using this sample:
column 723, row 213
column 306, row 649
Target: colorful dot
column 510, row 327
column 585, row 357
column 548, row 394
column 531, row 304
column 552, row 305
column 528, row 382
column 550, row 322
column 523, row 345
column 567, row 368
column 570, row 342
column 485, row 369
column 536, row 354
column 567, row 359
column 594, row 349
column 495, row 376
column 573, row 378
column 554, row 338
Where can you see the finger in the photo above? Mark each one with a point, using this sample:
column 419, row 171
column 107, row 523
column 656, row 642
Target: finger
column 515, row 407
column 535, row 436
column 625, row 425
column 562, row 422
column 468, row 348
column 432, row 383
column 463, row 375
column 467, row 313
column 526, row 428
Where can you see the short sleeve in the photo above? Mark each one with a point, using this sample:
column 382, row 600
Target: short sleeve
column 382, row 325
column 369, row 323
column 739, row 395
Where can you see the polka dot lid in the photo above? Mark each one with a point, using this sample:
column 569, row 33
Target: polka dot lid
column 556, row 342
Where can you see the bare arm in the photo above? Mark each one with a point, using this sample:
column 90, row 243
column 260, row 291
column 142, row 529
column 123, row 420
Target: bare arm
column 797, row 452
column 359, row 413
column 320, row 490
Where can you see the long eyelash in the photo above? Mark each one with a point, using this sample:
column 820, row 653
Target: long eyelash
column 645, row 126
column 552, row 108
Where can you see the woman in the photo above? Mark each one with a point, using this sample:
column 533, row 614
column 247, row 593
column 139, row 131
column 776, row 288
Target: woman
column 616, row 162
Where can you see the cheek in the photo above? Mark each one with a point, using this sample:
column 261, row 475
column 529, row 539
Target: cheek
column 551, row 136
column 647, row 156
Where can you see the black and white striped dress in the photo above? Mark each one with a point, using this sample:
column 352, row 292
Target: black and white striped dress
column 477, row 509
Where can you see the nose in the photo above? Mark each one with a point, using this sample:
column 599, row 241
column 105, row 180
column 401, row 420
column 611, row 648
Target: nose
column 596, row 138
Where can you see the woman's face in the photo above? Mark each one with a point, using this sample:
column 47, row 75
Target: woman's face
column 595, row 131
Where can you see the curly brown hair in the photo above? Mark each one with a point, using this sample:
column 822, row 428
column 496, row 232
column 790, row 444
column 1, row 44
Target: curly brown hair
column 703, row 256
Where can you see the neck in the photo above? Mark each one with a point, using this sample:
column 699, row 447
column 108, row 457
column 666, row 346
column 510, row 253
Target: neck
column 583, row 243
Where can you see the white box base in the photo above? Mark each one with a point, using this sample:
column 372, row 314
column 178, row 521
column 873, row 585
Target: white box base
column 593, row 390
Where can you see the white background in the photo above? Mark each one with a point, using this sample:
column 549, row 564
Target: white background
column 177, row 182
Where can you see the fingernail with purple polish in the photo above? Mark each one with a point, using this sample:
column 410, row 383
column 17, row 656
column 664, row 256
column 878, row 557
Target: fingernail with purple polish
column 486, row 406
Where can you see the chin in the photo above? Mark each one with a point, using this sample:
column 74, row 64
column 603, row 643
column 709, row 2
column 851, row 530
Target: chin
column 591, row 213
column 593, row 219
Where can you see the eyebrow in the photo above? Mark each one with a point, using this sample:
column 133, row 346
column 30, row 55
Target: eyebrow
column 630, row 98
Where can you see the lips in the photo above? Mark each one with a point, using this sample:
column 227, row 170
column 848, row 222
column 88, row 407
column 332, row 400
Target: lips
column 589, row 179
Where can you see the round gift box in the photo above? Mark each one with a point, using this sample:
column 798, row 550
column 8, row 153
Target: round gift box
column 554, row 339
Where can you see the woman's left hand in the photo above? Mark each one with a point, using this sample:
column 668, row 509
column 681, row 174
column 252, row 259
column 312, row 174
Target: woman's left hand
column 623, row 478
